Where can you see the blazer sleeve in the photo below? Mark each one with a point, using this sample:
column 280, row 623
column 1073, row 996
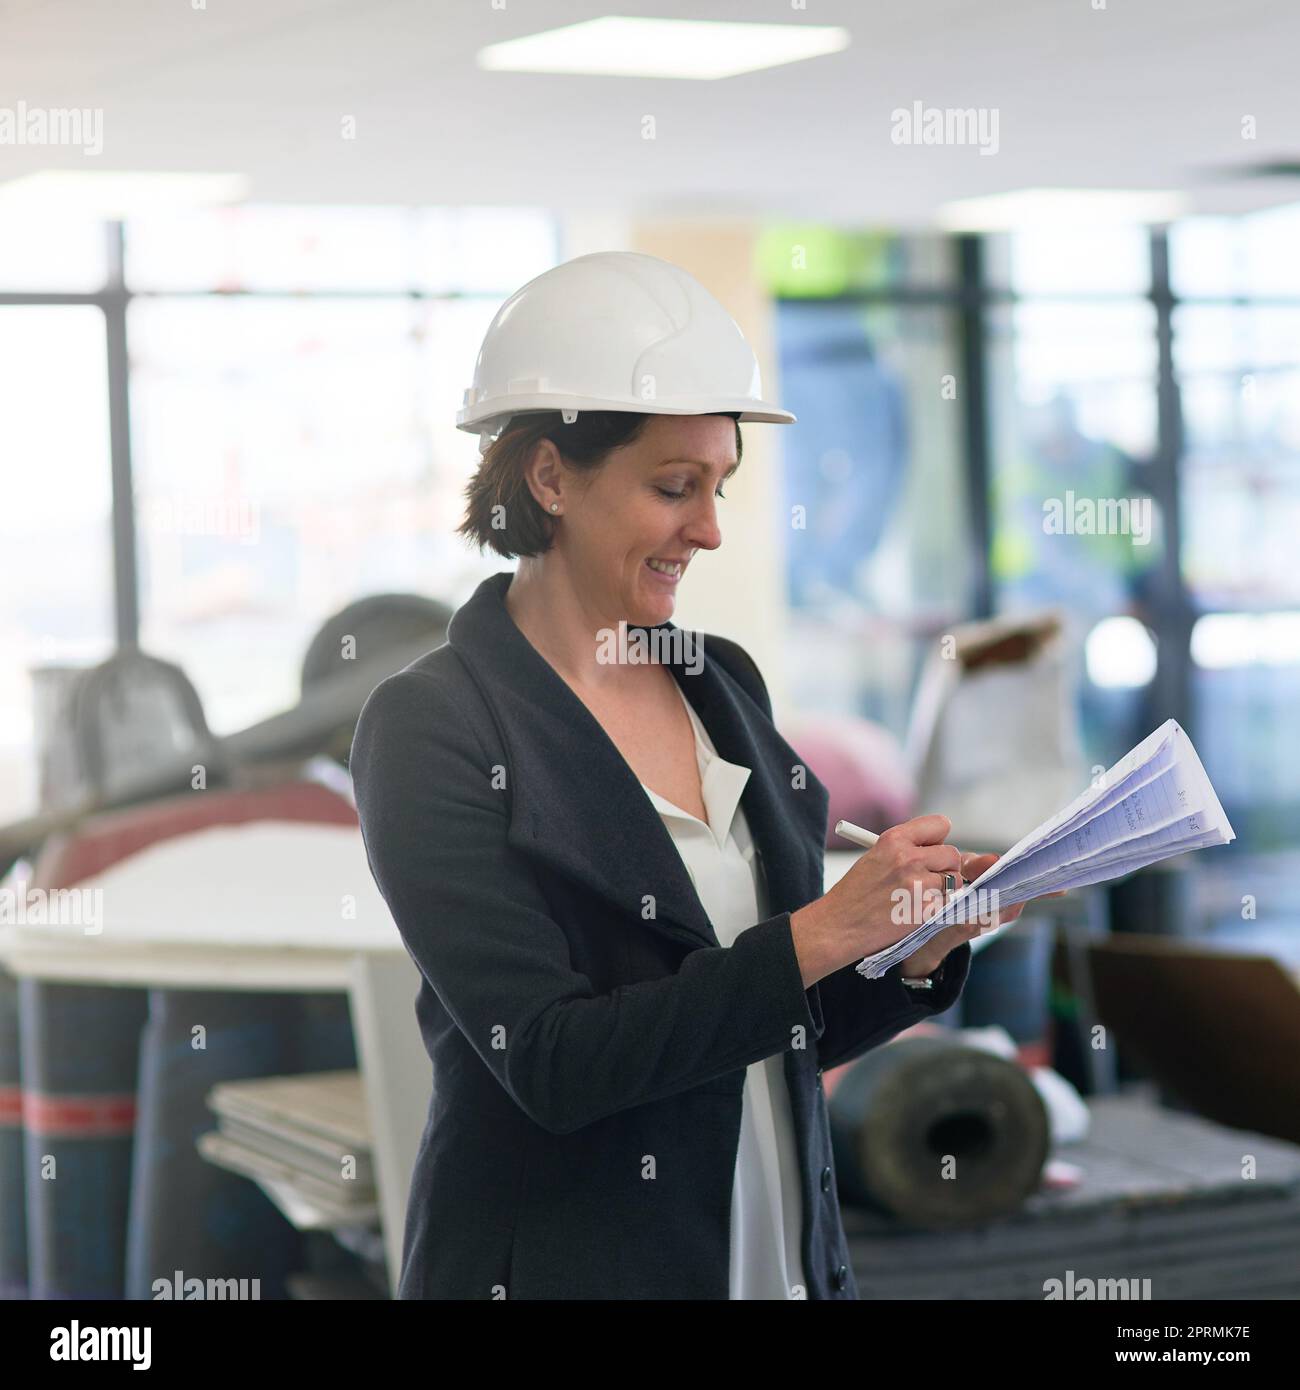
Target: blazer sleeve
column 472, row 914
column 861, row 1014
column 858, row 1014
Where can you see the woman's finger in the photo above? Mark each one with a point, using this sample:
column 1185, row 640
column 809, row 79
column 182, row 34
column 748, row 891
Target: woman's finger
column 929, row 893
column 973, row 865
column 941, row 859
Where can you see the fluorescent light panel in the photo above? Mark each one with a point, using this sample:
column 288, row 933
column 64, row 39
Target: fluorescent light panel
column 620, row 46
column 1027, row 207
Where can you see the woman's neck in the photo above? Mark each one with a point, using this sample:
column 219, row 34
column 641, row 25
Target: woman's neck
column 549, row 612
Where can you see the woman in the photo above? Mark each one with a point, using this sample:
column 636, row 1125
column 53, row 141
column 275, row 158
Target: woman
column 609, row 869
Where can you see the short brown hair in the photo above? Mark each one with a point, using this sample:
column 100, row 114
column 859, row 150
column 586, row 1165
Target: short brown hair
column 499, row 479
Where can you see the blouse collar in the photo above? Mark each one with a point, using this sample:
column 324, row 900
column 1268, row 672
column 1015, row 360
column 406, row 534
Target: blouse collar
column 721, row 784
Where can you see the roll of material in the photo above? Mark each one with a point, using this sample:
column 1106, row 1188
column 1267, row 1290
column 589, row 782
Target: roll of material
column 186, row 1213
column 937, row 1134
column 13, row 1196
column 79, row 1056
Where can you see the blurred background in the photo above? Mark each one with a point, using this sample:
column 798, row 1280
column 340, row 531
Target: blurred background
column 988, row 256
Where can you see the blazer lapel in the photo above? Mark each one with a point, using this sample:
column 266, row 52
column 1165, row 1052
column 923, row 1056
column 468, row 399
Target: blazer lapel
column 577, row 806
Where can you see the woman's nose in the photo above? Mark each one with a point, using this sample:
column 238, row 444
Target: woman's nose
column 703, row 531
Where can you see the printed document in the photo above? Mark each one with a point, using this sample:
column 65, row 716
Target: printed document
column 1155, row 802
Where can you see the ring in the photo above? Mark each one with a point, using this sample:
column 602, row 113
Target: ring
column 949, row 884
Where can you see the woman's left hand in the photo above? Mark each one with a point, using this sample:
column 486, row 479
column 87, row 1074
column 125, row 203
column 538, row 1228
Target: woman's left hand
column 931, row 956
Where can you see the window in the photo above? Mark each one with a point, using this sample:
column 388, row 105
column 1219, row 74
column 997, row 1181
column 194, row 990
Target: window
column 879, row 549
column 294, row 375
column 1237, row 355
column 294, row 435
column 56, row 601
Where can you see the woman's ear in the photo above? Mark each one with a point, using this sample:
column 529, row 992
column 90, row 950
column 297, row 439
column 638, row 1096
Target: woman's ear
column 544, row 473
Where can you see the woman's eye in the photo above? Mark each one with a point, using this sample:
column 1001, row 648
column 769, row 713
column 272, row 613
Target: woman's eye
column 677, row 496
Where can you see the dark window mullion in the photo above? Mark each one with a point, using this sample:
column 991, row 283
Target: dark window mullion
column 974, row 346
column 125, row 575
column 1174, row 613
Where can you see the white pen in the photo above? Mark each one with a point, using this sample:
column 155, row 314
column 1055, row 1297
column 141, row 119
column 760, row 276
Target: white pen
column 849, row 831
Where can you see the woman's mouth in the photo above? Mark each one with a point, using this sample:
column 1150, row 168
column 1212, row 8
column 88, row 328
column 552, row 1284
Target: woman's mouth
column 667, row 572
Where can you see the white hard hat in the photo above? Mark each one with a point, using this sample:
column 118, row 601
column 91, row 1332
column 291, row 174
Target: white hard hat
column 616, row 330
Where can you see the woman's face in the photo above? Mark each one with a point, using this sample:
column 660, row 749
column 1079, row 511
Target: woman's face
column 653, row 499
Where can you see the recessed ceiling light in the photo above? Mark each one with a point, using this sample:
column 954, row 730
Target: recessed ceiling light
column 620, row 46
column 105, row 193
column 1026, row 207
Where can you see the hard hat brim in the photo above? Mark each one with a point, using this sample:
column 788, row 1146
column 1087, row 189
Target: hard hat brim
column 484, row 415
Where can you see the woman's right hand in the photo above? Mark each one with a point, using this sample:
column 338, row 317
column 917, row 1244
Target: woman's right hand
column 889, row 891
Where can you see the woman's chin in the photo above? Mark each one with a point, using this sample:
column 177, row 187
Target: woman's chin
column 650, row 612
column 648, row 607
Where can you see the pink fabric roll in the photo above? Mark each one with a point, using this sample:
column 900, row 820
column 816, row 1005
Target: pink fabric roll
column 861, row 765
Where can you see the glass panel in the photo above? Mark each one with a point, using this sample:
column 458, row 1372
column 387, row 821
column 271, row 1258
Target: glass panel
column 1070, row 260
column 1246, row 693
column 1204, row 256
column 292, row 456
column 469, row 250
column 483, row 250
column 1253, row 255
column 1073, row 419
column 1102, row 356
column 280, row 248
column 883, row 560
column 1240, row 373
column 1270, row 263
column 1239, row 369
column 56, row 597
column 60, row 253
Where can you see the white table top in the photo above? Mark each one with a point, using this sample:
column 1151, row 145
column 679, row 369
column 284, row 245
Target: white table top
column 262, row 905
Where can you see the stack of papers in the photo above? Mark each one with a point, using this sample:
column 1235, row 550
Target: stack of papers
column 1155, row 802
column 305, row 1139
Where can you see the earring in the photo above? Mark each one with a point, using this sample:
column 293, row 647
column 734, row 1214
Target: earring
column 555, row 506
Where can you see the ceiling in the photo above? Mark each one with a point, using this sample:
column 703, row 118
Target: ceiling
column 1148, row 95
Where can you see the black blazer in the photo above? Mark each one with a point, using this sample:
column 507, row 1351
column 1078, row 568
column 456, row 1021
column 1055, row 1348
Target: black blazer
column 588, row 1034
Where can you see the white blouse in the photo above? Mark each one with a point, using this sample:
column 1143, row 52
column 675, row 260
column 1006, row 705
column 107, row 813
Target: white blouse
column 766, row 1208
